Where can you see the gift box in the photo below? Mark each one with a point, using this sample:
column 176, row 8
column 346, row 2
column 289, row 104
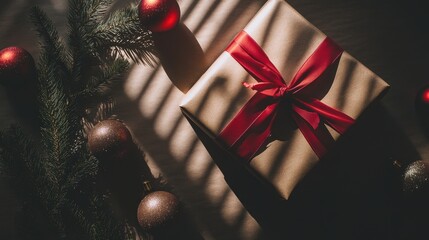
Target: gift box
column 280, row 95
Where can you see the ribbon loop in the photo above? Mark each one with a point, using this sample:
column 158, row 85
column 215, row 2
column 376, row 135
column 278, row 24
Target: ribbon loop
column 250, row 128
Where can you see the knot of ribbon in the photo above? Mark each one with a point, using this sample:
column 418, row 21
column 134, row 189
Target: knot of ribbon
column 253, row 124
column 270, row 89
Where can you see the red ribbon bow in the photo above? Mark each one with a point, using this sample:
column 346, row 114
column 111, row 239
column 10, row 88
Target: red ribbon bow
column 251, row 127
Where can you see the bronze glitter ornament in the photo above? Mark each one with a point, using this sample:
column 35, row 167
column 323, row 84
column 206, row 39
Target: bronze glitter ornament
column 110, row 139
column 416, row 177
column 157, row 211
column 416, row 198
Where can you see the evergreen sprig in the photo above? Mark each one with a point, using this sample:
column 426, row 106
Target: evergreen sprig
column 51, row 45
column 112, row 32
column 56, row 175
column 20, row 162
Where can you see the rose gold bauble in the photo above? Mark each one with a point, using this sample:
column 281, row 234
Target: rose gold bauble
column 110, row 139
column 416, row 177
column 157, row 211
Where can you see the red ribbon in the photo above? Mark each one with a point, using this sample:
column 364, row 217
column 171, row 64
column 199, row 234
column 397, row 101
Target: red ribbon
column 252, row 126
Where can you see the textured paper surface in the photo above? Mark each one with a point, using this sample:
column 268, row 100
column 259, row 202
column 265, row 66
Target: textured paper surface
column 288, row 39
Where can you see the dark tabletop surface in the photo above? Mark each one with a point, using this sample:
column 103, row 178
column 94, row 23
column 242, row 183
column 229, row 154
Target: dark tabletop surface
column 358, row 197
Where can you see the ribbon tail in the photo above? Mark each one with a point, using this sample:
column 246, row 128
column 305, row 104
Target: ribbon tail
column 319, row 139
column 257, row 114
column 311, row 118
column 254, row 140
column 339, row 121
column 243, row 120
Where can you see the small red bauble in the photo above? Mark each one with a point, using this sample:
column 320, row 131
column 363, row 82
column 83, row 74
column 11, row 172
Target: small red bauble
column 422, row 108
column 424, row 95
column 110, row 139
column 159, row 15
column 16, row 66
column 422, row 98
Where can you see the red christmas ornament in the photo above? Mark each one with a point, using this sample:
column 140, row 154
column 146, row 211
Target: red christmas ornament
column 159, row 15
column 422, row 98
column 425, row 96
column 422, row 108
column 16, row 67
column 416, row 198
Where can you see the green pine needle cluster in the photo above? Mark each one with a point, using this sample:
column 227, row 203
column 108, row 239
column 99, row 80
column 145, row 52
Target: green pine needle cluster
column 54, row 173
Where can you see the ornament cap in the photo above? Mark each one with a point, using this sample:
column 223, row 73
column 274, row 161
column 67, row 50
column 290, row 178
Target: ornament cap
column 147, row 186
column 397, row 164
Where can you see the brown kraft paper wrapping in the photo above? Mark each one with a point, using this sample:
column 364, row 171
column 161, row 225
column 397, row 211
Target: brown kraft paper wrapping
column 288, row 39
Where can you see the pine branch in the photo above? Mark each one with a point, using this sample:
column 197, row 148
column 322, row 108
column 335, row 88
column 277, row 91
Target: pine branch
column 60, row 176
column 60, row 125
column 19, row 161
column 121, row 35
column 109, row 77
column 26, row 171
column 99, row 9
column 59, row 128
column 83, row 171
column 50, row 42
column 96, row 38
column 101, row 217
column 85, row 208
column 81, row 24
column 94, row 218
column 96, row 98
column 76, row 219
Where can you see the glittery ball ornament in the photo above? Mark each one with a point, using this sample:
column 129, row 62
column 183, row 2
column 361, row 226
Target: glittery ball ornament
column 157, row 211
column 16, row 66
column 110, row 139
column 416, row 177
column 159, row 15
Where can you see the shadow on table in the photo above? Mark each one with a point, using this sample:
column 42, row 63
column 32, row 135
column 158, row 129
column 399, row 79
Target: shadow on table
column 354, row 193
